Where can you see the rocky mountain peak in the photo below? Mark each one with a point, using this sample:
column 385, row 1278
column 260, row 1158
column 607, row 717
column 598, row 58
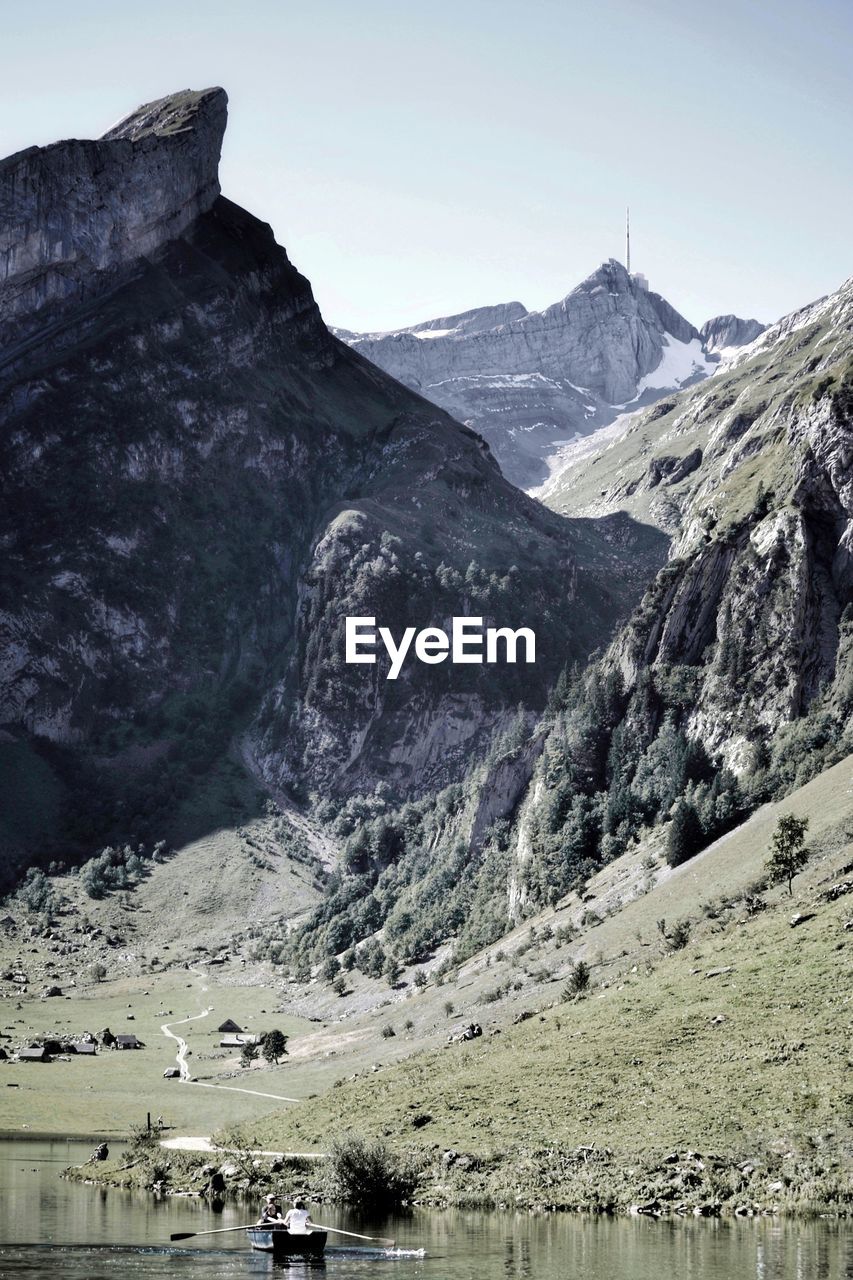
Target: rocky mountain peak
column 189, row 110
column 74, row 214
column 725, row 332
column 611, row 273
column 533, row 382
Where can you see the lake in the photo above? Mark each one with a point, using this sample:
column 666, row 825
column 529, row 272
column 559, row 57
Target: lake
column 50, row 1228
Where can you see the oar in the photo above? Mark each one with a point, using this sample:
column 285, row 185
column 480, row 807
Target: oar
column 187, row 1235
column 383, row 1240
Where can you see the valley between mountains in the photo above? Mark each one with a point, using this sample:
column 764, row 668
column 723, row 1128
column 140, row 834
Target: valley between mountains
column 517, row 922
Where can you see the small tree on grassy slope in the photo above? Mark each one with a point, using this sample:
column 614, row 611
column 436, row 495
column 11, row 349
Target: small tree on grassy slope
column 788, row 851
column 275, row 1046
column 249, row 1054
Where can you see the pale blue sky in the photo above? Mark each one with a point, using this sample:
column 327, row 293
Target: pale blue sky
column 421, row 158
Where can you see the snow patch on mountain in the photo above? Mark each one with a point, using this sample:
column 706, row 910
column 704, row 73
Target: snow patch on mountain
column 681, row 362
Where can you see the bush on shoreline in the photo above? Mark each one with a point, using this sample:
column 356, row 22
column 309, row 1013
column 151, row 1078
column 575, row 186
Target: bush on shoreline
column 369, row 1173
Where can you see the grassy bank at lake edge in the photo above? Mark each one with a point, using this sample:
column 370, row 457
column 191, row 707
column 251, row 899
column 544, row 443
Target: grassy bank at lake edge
column 737, row 1046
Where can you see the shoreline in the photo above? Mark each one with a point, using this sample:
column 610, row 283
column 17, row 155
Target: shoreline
column 601, row 1183
column 41, row 1135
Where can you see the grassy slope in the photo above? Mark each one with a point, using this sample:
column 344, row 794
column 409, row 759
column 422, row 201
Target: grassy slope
column 599, row 482
column 663, row 1056
column 114, row 1091
column 568, row 1079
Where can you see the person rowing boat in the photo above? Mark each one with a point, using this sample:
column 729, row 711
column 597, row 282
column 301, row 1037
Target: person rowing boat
column 283, row 1237
column 271, row 1212
column 298, row 1220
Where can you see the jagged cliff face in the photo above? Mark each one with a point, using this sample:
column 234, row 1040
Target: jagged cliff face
column 530, row 382
column 724, row 334
column 753, row 477
column 200, row 482
column 74, row 214
column 740, row 654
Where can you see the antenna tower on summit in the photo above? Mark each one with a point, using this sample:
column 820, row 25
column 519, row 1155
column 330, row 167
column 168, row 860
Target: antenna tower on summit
column 637, row 278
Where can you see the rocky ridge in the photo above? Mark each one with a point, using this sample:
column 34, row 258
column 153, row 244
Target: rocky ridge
column 531, row 382
column 752, row 475
column 74, row 213
column 724, row 333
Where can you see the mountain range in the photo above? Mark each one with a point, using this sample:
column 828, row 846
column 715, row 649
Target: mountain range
column 200, row 482
column 532, row 382
column 729, row 685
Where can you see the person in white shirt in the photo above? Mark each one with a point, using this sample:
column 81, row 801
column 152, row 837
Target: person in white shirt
column 298, row 1220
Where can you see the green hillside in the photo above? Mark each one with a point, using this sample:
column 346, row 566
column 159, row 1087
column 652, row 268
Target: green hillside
column 738, row 1044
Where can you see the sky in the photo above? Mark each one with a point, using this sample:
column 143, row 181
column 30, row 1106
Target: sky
column 419, row 159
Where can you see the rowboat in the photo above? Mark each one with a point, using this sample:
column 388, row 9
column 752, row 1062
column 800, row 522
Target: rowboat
column 282, row 1243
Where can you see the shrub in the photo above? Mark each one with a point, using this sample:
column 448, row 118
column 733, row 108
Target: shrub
column 367, row 1172
column 370, row 959
column 579, row 980
column 388, row 1031
column 676, row 937
column 143, row 1141
column 679, row 935
column 36, row 892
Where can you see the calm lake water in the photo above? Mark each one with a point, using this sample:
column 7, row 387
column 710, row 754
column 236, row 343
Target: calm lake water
column 50, row 1228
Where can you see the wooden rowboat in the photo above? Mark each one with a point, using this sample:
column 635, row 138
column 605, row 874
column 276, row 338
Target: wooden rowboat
column 282, row 1243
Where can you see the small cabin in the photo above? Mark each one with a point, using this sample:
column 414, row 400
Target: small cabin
column 229, row 1026
column 84, row 1047
column 128, row 1042
column 36, row 1053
